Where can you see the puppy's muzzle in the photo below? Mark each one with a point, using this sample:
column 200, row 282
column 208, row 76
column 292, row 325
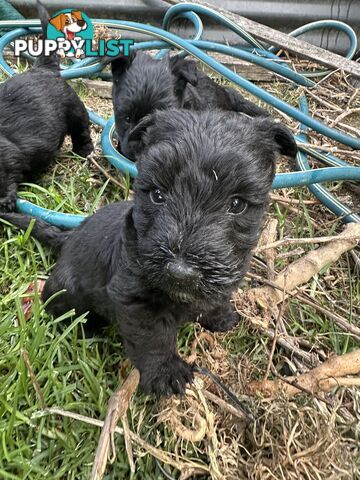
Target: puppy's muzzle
column 180, row 272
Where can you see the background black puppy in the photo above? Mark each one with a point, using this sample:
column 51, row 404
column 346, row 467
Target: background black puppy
column 37, row 109
column 180, row 249
column 142, row 84
column 196, row 90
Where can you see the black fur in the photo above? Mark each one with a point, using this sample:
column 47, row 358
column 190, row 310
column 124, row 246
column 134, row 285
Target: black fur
column 142, row 85
column 37, row 109
column 197, row 91
column 155, row 266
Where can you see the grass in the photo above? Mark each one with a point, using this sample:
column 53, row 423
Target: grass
column 73, row 372
column 79, row 374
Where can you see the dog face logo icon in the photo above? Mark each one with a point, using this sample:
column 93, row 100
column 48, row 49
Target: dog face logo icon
column 70, row 28
column 69, row 23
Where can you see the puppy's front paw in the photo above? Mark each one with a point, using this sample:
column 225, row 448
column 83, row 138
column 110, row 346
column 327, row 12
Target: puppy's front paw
column 219, row 321
column 169, row 378
column 84, row 150
column 8, row 204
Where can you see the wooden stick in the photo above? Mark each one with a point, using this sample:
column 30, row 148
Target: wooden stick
column 304, row 268
column 268, row 236
column 330, row 383
column 291, row 44
column 304, row 390
column 251, row 295
column 128, row 445
column 291, row 253
column 223, row 404
column 274, row 341
column 343, row 115
column 288, row 343
column 303, row 241
column 332, row 106
column 105, row 172
column 340, row 321
column 117, row 407
column 314, row 380
column 292, row 201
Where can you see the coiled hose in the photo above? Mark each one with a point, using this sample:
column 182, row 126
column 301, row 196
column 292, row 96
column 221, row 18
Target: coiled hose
column 257, row 54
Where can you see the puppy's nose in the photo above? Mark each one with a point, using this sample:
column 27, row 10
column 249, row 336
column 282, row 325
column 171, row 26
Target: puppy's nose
column 81, row 23
column 182, row 272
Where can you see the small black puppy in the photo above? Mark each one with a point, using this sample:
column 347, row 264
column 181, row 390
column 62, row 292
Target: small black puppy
column 37, row 109
column 142, row 84
column 197, row 91
column 178, row 251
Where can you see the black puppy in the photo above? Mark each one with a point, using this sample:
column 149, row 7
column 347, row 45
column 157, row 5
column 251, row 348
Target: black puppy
column 178, row 251
column 37, row 109
column 197, row 91
column 142, row 85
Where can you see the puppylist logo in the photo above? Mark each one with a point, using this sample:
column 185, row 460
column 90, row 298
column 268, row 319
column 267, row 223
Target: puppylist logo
column 70, row 33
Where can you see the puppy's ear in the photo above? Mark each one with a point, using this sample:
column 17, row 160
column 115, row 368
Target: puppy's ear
column 129, row 227
column 191, row 99
column 119, row 64
column 285, row 140
column 137, row 133
column 184, row 70
column 280, row 135
column 137, row 136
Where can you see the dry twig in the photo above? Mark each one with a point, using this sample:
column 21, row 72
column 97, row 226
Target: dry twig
column 291, row 345
column 292, row 201
column 340, row 321
column 304, row 268
column 223, row 404
column 105, row 172
column 314, row 380
column 343, row 115
column 128, row 446
column 302, row 241
column 268, row 236
column 118, row 404
column 273, row 345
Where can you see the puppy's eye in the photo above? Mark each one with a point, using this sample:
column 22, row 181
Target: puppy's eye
column 157, row 197
column 127, row 119
column 237, row 206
